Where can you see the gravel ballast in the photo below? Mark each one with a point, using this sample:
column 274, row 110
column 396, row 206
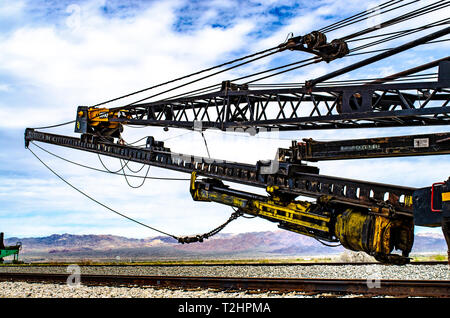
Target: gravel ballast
column 405, row 272
column 45, row 290
column 37, row 290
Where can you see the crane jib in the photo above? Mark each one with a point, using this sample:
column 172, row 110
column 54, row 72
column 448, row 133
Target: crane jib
column 291, row 178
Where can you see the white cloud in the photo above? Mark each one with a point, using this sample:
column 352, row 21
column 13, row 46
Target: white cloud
column 106, row 57
column 11, row 8
column 4, row 87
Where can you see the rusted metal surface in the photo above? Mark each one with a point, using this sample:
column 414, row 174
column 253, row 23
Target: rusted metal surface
column 398, row 146
column 401, row 288
column 349, row 191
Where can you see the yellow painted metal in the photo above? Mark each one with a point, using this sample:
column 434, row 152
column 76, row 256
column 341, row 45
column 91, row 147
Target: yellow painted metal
column 381, row 235
column 296, row 208
column 446, row 196
column 222, row 198
column 294, row 213
column 360, row 230
column 373, row 234
column 192, row 183
column 350, row 228
column 205, row 195
column 408, row 200
column 96, row 116
column 390, row 232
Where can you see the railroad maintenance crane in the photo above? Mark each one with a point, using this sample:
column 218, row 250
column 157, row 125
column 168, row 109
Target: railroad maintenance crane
column 376, row 218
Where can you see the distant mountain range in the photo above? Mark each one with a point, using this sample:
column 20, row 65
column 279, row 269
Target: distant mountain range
column 230, row 246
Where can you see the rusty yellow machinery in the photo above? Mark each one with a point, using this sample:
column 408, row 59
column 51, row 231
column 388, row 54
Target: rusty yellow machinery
column 356, row 229
column 99, row 120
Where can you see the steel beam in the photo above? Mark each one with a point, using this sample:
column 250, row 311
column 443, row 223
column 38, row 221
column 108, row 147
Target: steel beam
column 291, row 179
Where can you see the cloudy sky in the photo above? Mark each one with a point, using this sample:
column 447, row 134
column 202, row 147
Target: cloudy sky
column 56, row 55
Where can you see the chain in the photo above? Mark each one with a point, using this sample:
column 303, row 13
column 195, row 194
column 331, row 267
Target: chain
column 200, row 238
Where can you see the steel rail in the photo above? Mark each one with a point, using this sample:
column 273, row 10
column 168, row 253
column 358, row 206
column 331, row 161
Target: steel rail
column 187, row 264
column 414, row 288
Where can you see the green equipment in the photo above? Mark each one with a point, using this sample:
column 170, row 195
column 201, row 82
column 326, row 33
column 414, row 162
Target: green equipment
column 9, row 250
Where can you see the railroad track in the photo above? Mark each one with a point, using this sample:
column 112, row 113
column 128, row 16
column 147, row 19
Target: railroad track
column 366, row 287
column 187, row 264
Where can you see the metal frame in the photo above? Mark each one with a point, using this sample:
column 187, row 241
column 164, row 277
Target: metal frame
column 357, row 106
column 290, row 178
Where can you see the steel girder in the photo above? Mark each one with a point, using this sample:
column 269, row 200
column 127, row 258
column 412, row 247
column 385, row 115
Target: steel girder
column 357, row 106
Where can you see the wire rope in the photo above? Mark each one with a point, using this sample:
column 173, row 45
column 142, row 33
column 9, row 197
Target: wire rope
column 187, row 76
column 143, row 180
column 341, row 23
column 184, row 239
column 98, row 202
column 401, row 34
column 56, row 125
column 191, row 82
column 407, row 16
column 105, row 171
column 375, row 13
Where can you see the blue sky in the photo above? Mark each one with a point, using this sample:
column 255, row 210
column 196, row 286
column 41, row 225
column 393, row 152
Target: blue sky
column 56, row 55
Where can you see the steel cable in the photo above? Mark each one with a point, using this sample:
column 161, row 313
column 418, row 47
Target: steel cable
column 441, row 22
column 98, row 202
column 191, row 82
column 190, row 94
column 187, row 76
column 375, row 14
column 185, row 239
column 106, row 171
column 143, row 180
column 53, row 126
column 400, row 34
column 408, row 16
column 340, row 24
column 106, row 168
column 197, row 91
